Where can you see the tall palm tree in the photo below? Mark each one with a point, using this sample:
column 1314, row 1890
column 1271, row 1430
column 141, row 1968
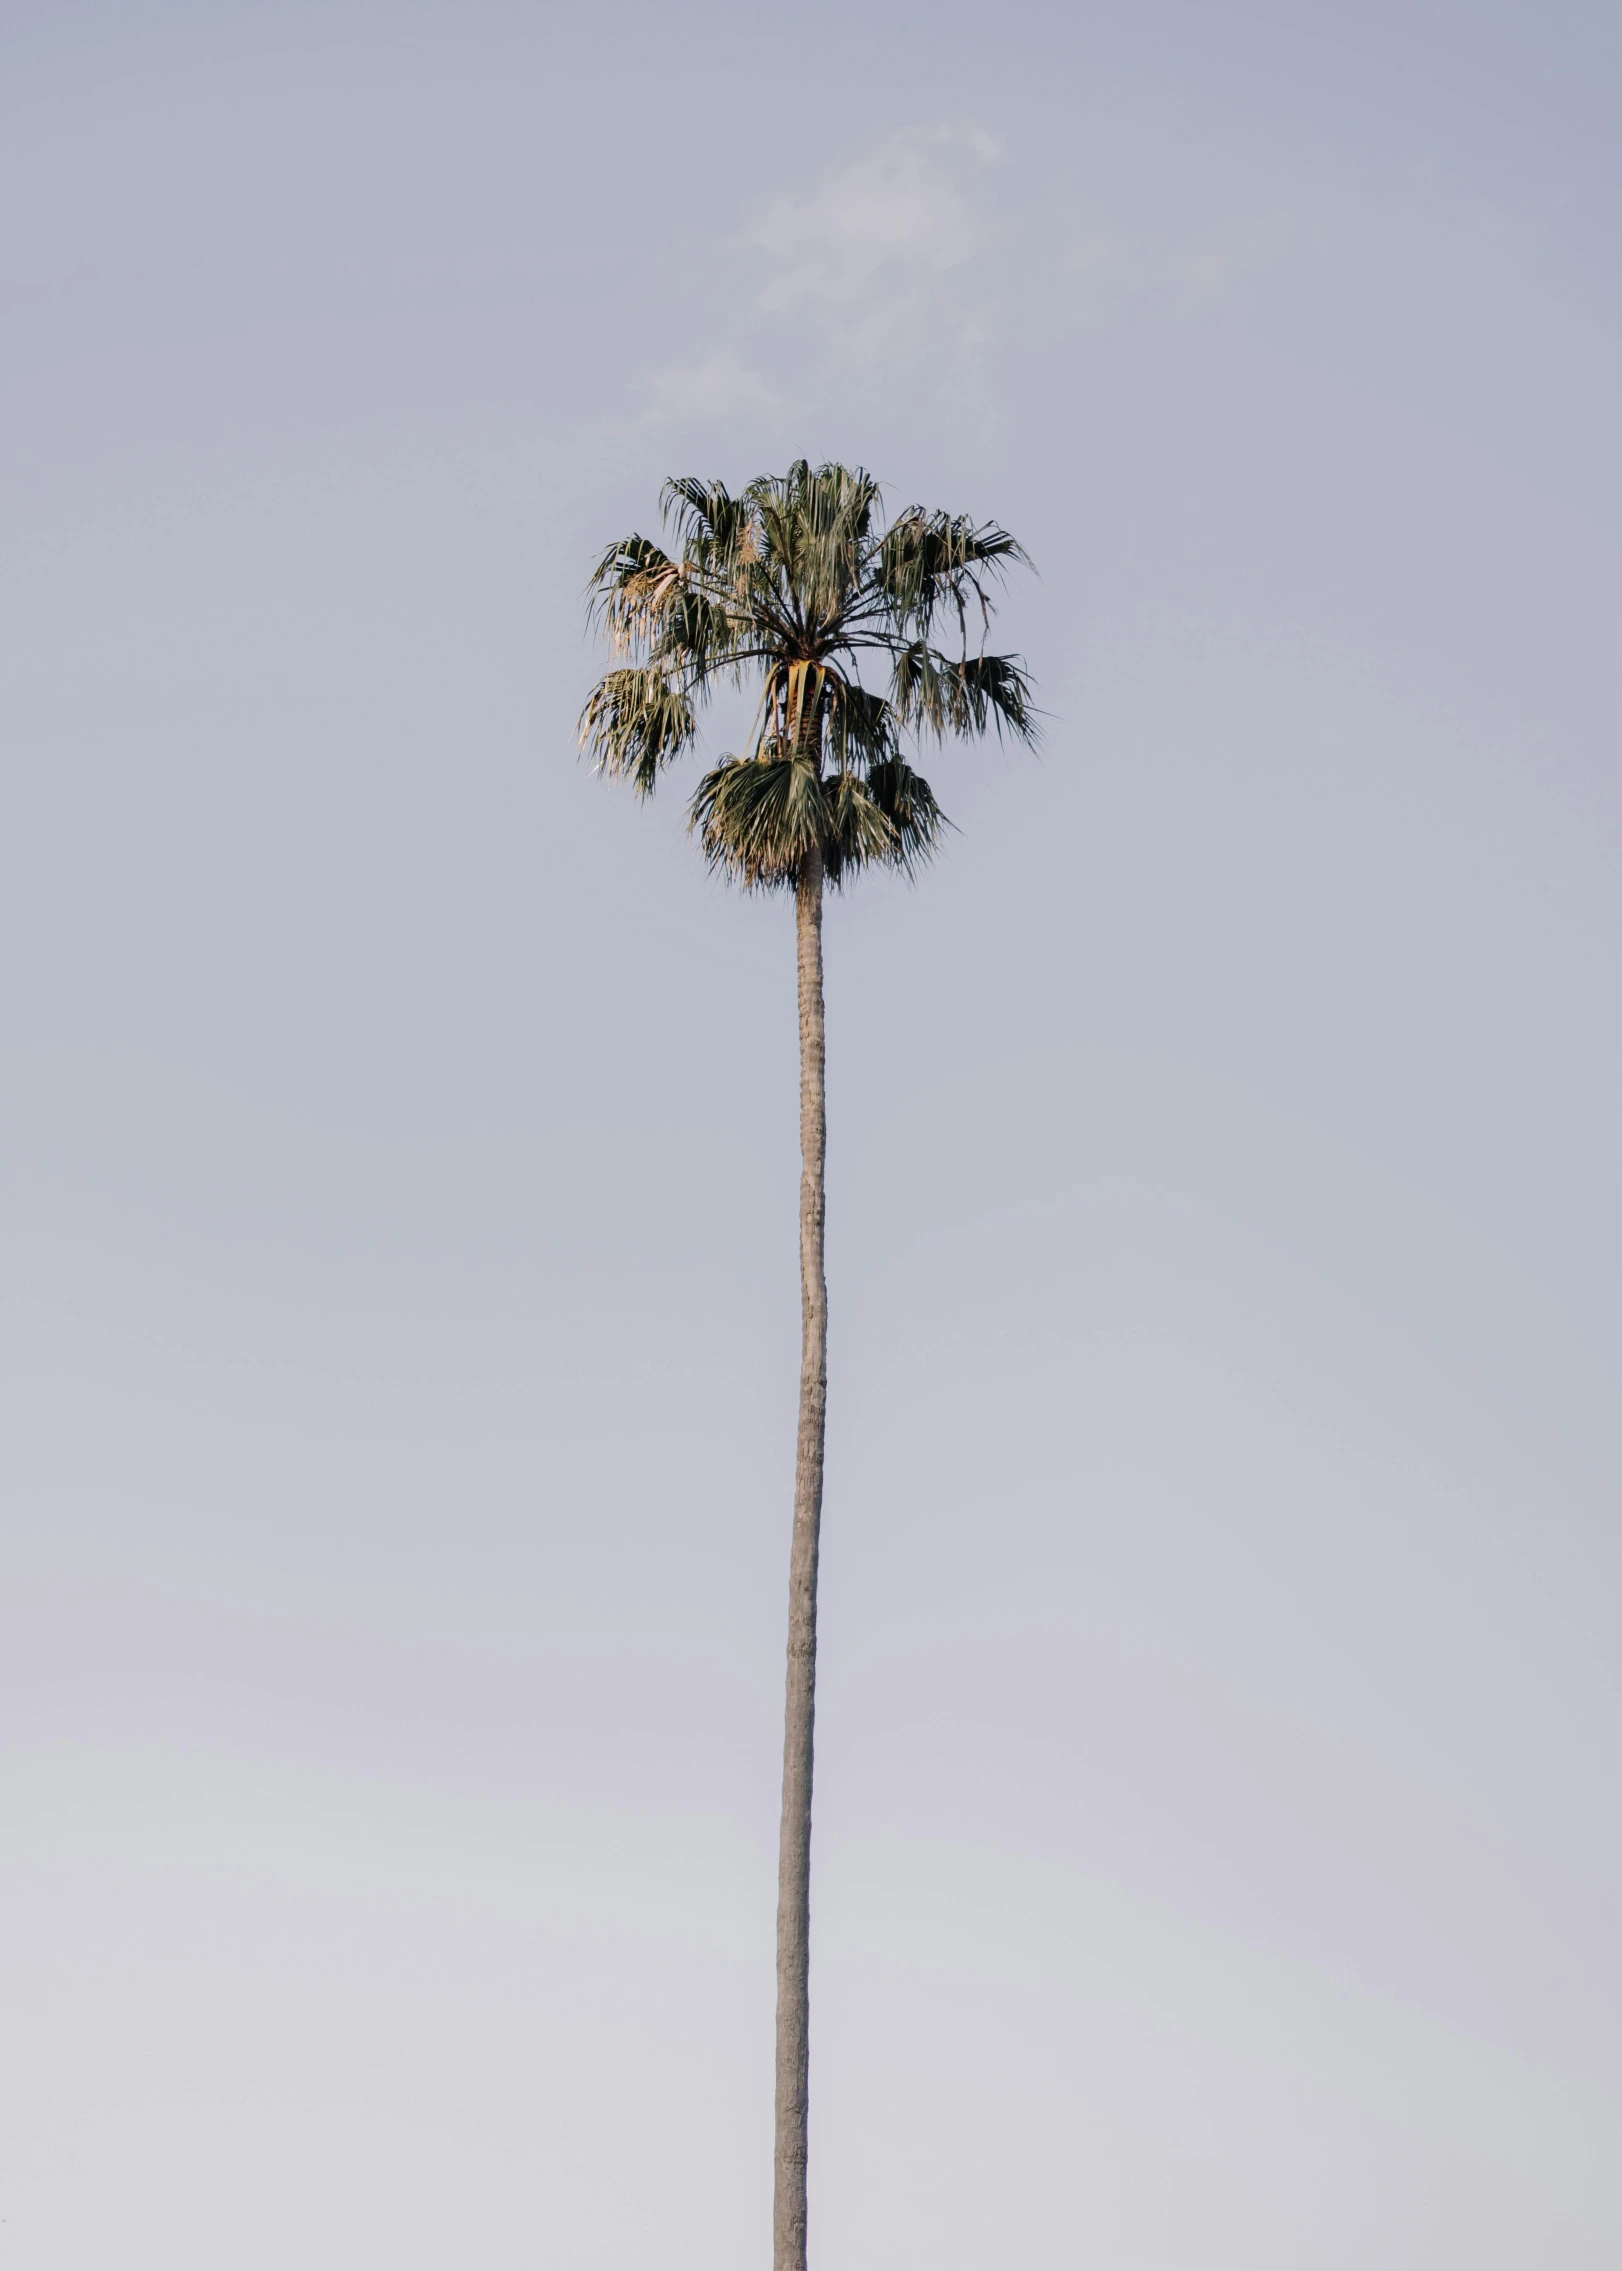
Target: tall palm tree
column 796, row 584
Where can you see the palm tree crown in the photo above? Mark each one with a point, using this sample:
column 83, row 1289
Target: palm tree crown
column 794, row 581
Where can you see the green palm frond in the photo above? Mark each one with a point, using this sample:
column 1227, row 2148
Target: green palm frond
column 717, row 529
column 932, row 562
column 860, row 833
column 625, row 587
column 996, row 693
column 793, row 580
column 660, row 609
column 974, row 694
column 908, row 804
column 636, row 722
column 816, row 526
column 863, row 728
column 758, row 819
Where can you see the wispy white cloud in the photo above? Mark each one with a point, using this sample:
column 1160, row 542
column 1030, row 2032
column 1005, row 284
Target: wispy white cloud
column 880, row 261
column 1214, row 270
column 718, row 385
column 863, row 267
column 1104, row 275
column 867, row 252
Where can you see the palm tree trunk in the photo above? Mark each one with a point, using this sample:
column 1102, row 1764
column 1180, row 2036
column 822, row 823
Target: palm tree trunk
column 794, row 1850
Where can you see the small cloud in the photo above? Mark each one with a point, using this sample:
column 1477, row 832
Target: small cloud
column 1107, row 276
column 1092, row 252
column 871, row 265
column 721, row 385
column 1103, row 273
column 1213, row 271
column 865, row 252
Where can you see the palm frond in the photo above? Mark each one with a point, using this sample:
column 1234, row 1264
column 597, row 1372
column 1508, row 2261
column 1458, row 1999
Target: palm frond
column 859, row 832
column 939, row 695
column 691, row 625
column 636, row 722
column 758, row 819
column 816, row 524
column 996, row 692
column 658, row 608
column 630, row 587
column 717, row 530
column 930, row 562
column 908, row 804
column 863, row 728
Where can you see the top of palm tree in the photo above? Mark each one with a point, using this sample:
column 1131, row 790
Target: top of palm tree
column 796, row 582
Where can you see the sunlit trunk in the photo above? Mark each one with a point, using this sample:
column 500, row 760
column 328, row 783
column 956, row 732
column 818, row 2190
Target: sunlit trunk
column 794, row 1852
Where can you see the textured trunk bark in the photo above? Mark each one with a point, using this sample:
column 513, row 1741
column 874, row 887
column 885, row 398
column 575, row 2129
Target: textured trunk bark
column 794, row 1850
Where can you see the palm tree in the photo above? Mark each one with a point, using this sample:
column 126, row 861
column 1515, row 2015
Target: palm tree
column 796, row 584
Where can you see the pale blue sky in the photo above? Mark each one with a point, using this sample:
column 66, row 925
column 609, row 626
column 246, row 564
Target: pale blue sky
column 1218, row 1852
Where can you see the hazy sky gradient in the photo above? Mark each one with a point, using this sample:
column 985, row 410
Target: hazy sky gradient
column 1218, row 1850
